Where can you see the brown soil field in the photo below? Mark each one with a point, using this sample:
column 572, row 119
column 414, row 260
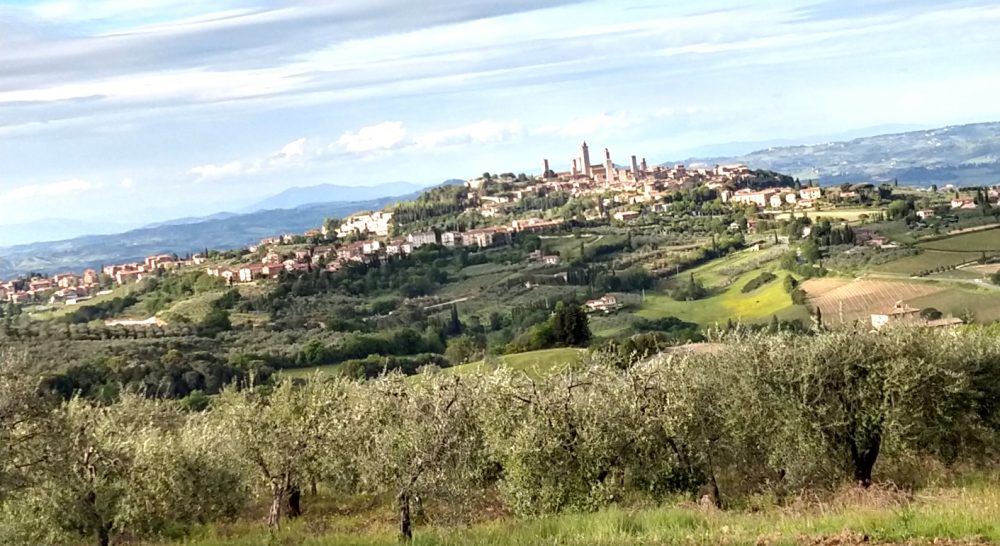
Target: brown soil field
column 858, row 299
column 984, row 269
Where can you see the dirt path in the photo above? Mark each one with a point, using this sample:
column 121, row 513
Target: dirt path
column 447, row 303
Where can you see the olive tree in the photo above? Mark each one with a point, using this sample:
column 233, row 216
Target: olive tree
column 419, row 439
column 281, row 438
column 576, row 440
column 125, row 468
column 843, row 399
column 25, row 427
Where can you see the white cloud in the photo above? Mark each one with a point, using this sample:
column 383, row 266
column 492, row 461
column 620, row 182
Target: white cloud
column 385, row 136
column 127, row 183
column 483, row 132
column 293, row 149
column 52, row 189
column 211, row 171
column 590, row 126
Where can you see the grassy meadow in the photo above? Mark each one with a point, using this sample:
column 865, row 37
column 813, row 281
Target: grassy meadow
column 927, row 260
column 977, row 241
column 982, row 305
column 729, row 303
column 963, row 514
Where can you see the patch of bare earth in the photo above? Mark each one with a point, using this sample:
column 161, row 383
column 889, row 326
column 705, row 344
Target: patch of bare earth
column 857, row 539
column 819, row 286
column 858, row 299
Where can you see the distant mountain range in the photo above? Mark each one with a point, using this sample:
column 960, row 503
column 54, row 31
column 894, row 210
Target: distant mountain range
column 224, row 231
column 329, row 193
column 54, row 229
column 59, row 229
column 960, row 155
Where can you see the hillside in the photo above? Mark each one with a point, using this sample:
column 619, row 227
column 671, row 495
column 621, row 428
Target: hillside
column 960, row 155
column 220, row 233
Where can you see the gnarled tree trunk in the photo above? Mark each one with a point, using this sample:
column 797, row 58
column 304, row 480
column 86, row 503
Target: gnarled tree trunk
column 104, row 535
column 863, row 458
column 405, row 525
column 274, row 514
column 294, row 502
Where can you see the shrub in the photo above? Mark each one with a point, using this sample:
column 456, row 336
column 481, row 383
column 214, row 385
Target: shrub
column 758, row 281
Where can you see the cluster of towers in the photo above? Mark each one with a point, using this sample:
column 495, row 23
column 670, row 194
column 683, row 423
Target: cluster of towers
column 581, row 166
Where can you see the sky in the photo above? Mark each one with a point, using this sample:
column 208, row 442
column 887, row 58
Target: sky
column 127, row 111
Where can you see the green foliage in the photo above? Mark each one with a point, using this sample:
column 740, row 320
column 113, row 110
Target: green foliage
column 930, row 313
column 799, row 296
column 790, row 262
column 23, row 426
column 810, row 252
column 758, row 281
column 130, row 467
column 691, row 290
column 401, row 342
column 570, row 326
column 215, row 322
column 427, row 442
column 462, row 350
column 280, row 442
column 176, row 375
column 758, row 416
column 100, row 311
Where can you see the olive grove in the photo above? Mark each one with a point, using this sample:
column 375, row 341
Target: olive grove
column 764, row 414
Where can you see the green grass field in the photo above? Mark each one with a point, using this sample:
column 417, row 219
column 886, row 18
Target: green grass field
column 982, row 304
column 979, row 241
column 715, row 272
column 731, row 303
column 947, row 252
column 534, row 364
column 569, row 247
column 927, row 260
column 952, row 516
column 474, row 280
column 964, row 274
column 194, row 308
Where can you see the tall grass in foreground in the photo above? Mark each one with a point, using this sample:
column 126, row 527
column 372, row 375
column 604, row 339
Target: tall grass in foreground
column 968, row 513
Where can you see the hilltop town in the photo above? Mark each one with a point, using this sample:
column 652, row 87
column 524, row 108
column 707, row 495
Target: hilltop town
column 493, row 209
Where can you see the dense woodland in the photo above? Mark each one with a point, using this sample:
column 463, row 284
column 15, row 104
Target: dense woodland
column 768, row 415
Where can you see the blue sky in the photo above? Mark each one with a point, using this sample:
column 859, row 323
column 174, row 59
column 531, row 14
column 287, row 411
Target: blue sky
column 128, row 111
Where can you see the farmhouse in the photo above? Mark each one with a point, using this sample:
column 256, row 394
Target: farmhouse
column 810, row 193
column 604, row 304
column 950, row 322
column 626, row 215
column 900, row 313
column 250, row 272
